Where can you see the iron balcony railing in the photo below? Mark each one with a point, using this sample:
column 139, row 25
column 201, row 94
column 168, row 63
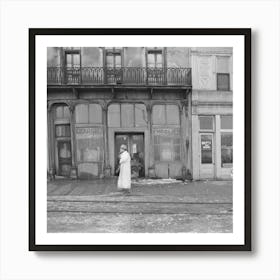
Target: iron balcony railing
column 123, row 75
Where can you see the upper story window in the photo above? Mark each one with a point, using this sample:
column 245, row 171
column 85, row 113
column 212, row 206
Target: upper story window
column 72, row 66
column 113, row 63
column 113, row 58
column 223, row 70
column 155, row 58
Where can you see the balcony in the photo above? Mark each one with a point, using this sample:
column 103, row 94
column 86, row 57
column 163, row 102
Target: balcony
column 119, row 76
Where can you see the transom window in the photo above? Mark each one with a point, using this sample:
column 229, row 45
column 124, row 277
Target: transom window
column 62, row 112
column 166, row 114
column 127, row 115
column 206, row 123
column 88, row 114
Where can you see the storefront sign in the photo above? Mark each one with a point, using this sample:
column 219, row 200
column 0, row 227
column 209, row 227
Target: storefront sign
column 166, row 131
column 206, row 145
column 89, row 132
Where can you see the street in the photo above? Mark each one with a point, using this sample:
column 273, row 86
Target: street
column 153, row 206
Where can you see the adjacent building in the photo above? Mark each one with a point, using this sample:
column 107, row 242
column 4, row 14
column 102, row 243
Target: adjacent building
column 172, row 107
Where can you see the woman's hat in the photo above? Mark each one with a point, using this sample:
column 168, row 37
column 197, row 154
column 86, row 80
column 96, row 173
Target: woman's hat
column 124, row 147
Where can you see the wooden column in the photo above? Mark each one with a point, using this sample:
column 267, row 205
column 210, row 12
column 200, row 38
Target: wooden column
column 51, row 167
column 73, row 172
column 107, row 168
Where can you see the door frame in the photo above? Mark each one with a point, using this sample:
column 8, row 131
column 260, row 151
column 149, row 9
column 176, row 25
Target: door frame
column 129, row 134
column 111, row 144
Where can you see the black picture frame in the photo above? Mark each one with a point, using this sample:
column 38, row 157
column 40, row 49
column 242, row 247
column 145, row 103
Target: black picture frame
column 246, row 32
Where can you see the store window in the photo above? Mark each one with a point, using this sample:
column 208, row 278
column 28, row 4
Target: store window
column 127, row 115
column 166, row 132
column 226, row 141
column 167, row 144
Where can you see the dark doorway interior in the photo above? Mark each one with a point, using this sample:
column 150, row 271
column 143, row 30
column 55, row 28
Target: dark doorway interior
column 135, row 145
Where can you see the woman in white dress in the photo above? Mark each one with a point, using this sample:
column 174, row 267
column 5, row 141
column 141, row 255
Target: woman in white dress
column 124, row 180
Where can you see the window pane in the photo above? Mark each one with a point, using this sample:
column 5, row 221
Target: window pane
column 66, row 112
column 159, row 114
column 68, row 60
column 226, row 122
column 166, row 144
column 151, row 60
column 109, row 60
column 62, row 130
column 59, row 112
column 226, row 149
column 76, row 60
column 206, row 122
column 114, row 115
column 222, row 64
column 222, row 81
column 95, row 113
column 159, row 60
column 118, row 61
column 89, row 144
column 206, row 149
column 140, row 115
column 127, row 118
column 172, row 114
column 81, row 113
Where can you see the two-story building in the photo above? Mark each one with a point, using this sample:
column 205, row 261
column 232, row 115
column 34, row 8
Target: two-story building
column 172, row 107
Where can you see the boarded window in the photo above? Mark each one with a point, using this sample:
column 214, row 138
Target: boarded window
column 226, row 122
column 206, row 122
column 114, row 115
column 127, row 115
column 222, row 81
column 226, row 149
column 81, row 113
column 95, row 113
column 167, row 144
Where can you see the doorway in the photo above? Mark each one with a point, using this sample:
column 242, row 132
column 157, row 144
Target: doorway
column 207, row 162
column 64, row 157
column 135, row 147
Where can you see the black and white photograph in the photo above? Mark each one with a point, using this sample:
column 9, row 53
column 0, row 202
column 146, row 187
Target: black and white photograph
column 142, row 140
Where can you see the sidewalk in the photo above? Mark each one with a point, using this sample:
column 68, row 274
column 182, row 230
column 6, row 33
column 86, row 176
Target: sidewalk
column 142, row 191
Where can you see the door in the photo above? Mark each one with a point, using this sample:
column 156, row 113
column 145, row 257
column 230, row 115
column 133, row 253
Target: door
column 206, row 156
column 64, row 158
column 73, row 68
column 135, row 146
